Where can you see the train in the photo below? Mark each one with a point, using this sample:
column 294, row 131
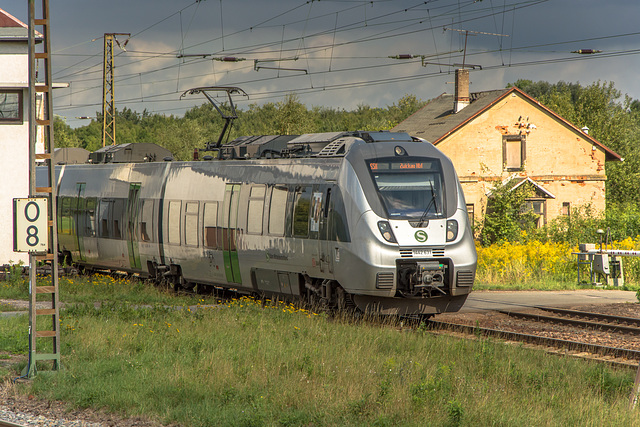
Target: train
column 371, row 220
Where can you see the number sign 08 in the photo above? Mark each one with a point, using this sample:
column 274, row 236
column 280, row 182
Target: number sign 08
column 30, row 233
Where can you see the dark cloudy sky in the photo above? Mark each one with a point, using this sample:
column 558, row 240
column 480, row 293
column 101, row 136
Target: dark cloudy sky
column 332, row 53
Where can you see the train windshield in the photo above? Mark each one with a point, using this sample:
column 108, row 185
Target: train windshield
column 410, row 188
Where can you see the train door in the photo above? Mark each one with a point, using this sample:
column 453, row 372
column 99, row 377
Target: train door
column 133, row 210
column 229, row 233
column 80, row 219
column 326, row 255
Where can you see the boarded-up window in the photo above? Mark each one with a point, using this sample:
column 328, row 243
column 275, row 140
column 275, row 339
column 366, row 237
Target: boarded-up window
column 191, row 224
column 513, row 152
column 256, row 206
column 566, row 208
column 174, row 223
column 210, row 221
column 277, row 211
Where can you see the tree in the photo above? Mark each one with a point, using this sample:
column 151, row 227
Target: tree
column 612, row 121
column 506, row 216
column 292, row 117
column 64, row 136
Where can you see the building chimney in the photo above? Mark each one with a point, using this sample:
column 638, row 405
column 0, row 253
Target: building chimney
column 461, row 98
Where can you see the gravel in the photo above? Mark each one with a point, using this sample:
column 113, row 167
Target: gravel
column 26, row 419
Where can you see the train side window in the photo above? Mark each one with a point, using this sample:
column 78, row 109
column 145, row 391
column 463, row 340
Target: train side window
column 191, row 223
column 90, row 216
column 174, row 222
column 117, row 213
column 301, row 209
column 211, row 224
column 256, row 209
column 64, row 226
column 105, row 209
column 277, row 211
column 146, row 221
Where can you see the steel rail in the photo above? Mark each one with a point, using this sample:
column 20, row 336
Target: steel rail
column 573, row 322
column 539, row 340
column 10, row 424
column 598, row 316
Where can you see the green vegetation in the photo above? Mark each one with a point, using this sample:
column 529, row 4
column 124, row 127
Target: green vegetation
column 202, row 124
column 244, row 363
column 97, row 288
column 612, row 119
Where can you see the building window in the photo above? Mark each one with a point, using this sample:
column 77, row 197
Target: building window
column 11, row 106
column 471, row 213
column 513, row 152
column 566, row 208
column 539, row 208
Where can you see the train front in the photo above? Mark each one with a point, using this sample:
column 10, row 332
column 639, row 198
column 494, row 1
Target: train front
column 412, row 237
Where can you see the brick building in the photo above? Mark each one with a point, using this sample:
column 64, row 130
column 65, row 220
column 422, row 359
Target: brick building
column 500, row 135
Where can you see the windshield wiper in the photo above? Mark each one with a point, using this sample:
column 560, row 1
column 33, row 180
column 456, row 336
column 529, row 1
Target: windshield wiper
column 433, row 201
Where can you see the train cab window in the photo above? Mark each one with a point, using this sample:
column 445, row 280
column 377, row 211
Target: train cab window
column 255, row 210
column 210, row 220
column 173, row 235
column 277, row 210
column 301, row 209
column 146, row 221
column 410, row 188
column 191, row 223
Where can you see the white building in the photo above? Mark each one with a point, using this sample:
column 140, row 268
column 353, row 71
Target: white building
column 14, row 128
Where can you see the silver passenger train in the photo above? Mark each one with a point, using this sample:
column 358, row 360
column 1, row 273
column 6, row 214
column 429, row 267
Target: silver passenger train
column 371, row 219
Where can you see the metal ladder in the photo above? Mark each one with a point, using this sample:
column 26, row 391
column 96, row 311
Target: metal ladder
column 43, row 89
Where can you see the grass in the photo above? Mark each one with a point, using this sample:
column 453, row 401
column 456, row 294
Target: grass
column 244, row 363
column 97, row 288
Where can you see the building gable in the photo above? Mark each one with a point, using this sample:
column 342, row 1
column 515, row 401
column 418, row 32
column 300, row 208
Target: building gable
column 506, row 134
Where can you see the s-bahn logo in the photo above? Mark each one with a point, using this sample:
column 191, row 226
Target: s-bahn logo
column 421, row 236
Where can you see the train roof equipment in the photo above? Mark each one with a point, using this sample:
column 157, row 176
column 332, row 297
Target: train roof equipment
column 327, row 144
column 70, row 155
column 130, row 153
column 228, row 118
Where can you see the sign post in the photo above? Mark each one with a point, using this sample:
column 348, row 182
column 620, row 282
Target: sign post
column 30, row 228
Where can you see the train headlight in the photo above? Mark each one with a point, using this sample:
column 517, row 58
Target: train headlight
column 387, row 233
column 452, row 230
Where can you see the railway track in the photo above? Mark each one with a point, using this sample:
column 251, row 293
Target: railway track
column 570, row 322
column 581, row 319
